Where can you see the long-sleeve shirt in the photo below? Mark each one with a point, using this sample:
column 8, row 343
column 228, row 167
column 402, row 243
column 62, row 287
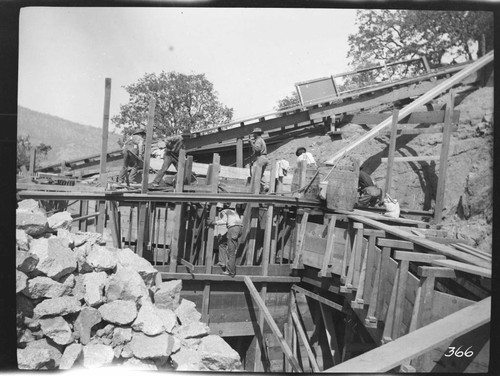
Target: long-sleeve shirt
column 174, row 144
column 259, row 147
column 308, row 157
column 364, row 180
column 229, row 218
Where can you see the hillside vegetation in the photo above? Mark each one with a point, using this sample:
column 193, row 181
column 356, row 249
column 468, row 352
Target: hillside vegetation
column 69, row 140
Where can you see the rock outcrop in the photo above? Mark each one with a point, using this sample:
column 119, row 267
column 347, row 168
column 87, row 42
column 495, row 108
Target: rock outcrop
column 81, row 303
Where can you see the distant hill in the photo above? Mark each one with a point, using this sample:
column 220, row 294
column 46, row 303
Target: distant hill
column 69, row 140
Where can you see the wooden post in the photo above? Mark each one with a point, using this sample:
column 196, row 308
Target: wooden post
column 305, row 341
column 115, row 224
column 301, row 233
column 347, row 253
column 371, row 318
column 239, row 152
column 143, row 206
column 389, row 318
column 443, row 159
column 426, row 64
column 178, row 233
column 331, row 334
column 330, row 241
column 32, row 160
column 214, row 179
column 84, row 210
column 104, row 152
column 392, row 151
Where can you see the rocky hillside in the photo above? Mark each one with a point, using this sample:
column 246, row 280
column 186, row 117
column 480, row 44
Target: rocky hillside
column 68, row 140
column 81, row 303
column 469, row 185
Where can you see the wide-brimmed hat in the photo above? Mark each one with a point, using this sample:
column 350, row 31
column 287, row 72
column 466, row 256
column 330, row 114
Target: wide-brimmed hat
column 139, row 131
column 257, row 131
column 299, row 149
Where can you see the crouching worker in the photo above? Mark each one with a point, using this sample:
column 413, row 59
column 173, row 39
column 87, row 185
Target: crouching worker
column 232, row 219
column 133, row 158
column 170, row 152
column 369, row 193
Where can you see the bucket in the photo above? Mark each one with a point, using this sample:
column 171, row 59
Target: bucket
column 313, row 189
column 342, row 189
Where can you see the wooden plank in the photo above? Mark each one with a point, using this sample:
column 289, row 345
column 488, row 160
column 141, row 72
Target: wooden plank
column 358, row 244
column 443, row 160
column 272, row 324
column 329, row 247
column 400, row 298
column 423, row 99
column 422, row 158
column 221, row 277
column 433, row 246
column 463, row 267
column 394, row 243
column 358, row 299
column 392, row 151
column 239, row 152
column 232, row 329
column 472, row 251
column 297, row 263
column 426, row 130
column 436, row 271
column 179, row 225
column 115, row 224
column 318, row 298
column 346, row 255
column 32, row 161
column 371, row 315
column 417, row 257
column 305, row 341
column 389, row 319
column 331, row 334
column 147, row 146
column 391, row 355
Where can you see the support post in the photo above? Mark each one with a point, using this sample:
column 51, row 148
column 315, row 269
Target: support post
column 32, row 161
column 330, row 241
column 239, row 152
column 392, row 151
column 179, row 231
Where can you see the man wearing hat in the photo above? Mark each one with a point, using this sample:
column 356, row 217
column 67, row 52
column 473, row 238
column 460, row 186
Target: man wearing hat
column 259, row 155
column 173, row 145
column 369, row 193
column 303, row 155
column 133, row 158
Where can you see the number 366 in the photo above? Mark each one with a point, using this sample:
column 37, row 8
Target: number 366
column 458, row 353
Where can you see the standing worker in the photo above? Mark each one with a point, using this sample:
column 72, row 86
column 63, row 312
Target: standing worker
column 259, row 156
column 173, row 145
column 303, row 155
column 133, row 158
column 369, row 193
column 232, row 219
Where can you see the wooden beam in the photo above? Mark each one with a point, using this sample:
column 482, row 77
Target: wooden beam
column 417, row 257
column 418, row 342
column 416, row 117
column 463, row 267
column 224, row 278
column 239, row 152
column 272, row 324
column 305, row 341
column 301, row 232
column 436, row 271
column 32, row 160
column 394, row 243
column 330, row 241
column 318, row 298
column 392, row 151
column 232, row 329
column 422, row 158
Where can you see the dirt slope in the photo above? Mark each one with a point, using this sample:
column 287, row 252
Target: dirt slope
column 469, row 186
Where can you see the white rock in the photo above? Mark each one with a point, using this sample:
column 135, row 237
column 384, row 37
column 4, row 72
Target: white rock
column 26, row 261
column 148, row 321
column 192, row 330
column 55, row 354
column 218, row 355
column 60, row 220
column 140, row 365
column 121, row 312
column 70, row 356
column 188, row 360
column 32, row 358
column 87, row 318
column 34, row 224
column 95, row 356
column 94, row 288
column 62, row 233
column 101, row 259
column 127, row 258
column 29, row 205
column 22, row 240
column 45, row 287
column 21, row 281
column 55, row 258
column 168, row 317
column 58, row 306
column 126, row 284
column 168, row 294
column 147, row 347
column 121, row 336
column 80, row 254
column 57, row 329
column 187, row 313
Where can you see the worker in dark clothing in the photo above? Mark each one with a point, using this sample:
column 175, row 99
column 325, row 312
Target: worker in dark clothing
column 369, row 193
column 259, row 156
column 173, row 145
column 133, row 158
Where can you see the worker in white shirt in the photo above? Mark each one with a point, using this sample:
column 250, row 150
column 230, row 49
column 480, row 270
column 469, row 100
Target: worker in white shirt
column 303, row 155
column 232, row 219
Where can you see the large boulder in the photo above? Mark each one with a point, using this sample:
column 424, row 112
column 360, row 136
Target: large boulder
column 55, row 258
column 97, row 355
column 134, row 364
column 218, row 355
column 192, row 330
column 30, row 205
column 188, row 360
column 32, row 358
column 121, row 336
column 57, row 329
column 61, row 220
column 26, row 261
column 187, row 313
column 34, row 224
column 168, row 317
column 148, row 321
column 45, row 287
column 70, row 356
column 101, row 259
column 126, row 284
column 147, row 347
column 80, row 254
column 94, row 288
column 78, row 290
column 57, row 306
column 54, row 352
column 87, row 318
column 22, row 240
column 21, row 281
column 121, row 312
column 127, row 258
column 168, row 294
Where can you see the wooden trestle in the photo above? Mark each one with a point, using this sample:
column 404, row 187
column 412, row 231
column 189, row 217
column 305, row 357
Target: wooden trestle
column 315, row 287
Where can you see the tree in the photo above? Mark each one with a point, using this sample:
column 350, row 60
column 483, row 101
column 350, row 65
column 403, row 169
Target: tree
column 183, row 103
column 395, row 35
column 289, row 101
column 24, row 147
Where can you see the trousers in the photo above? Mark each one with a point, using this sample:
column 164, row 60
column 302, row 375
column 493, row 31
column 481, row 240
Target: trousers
column 130, row 161
column 261, row 161
column 228, row 254
column 168, row 159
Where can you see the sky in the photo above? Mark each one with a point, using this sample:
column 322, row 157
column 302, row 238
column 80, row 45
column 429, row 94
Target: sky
column 253, row 57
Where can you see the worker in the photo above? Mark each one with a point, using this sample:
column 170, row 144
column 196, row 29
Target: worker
column 173, row 145
column 369, row 193
column 133, row 158
column 231, row 217
column 259, row 155
column 303, row 155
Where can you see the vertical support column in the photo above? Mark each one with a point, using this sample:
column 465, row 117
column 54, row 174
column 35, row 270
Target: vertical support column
column 330, row 242
column 115, row 224
column 392, row 151
column 239, row 152
column 426, row 64
column 104, row 152
column 443, row 159
column 214, row 179
column 301, row 234
column 32, row 161
column 84, row 210
column 143, row 206
column 179, row 231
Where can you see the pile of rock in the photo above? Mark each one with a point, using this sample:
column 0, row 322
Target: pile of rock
column 82, row 303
